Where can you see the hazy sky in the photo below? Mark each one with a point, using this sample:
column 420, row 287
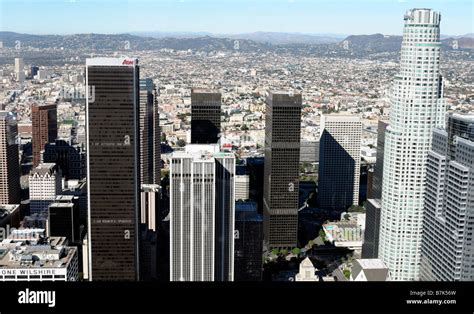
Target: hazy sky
column 226, row 16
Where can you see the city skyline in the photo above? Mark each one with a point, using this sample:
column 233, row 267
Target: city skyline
column 174, row 158
column 233, row 17
column 214, row 150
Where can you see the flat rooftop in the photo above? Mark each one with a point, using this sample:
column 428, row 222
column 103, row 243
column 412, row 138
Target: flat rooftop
column 204, row 91
column 203, row 152
column 371, row 263
column 46, row 253
column 122, row 61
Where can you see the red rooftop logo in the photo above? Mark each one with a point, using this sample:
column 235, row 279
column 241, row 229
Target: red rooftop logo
column 127, row 62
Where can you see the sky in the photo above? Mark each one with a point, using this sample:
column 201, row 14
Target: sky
column 226, row 16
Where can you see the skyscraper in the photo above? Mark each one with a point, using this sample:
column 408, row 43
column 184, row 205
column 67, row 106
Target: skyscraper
column 63, row 218
column 370, row 248
column 248, row 242
column 281, row 178
column 378, row 171
column 417, row 107
column 9, row 160
column 150, row 134
column 339, row 161
column 113, row 164
column 447, row 246
column 202, row 214
column 71, row 159
column 44, row 185
column 19, row 71
column 205, row 116
column 45, row 128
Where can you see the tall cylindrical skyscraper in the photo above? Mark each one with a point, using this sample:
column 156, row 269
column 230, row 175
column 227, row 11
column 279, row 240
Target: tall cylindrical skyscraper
column 417, row 107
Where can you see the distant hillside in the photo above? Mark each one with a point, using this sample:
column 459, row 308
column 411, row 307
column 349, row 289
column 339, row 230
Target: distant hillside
column 120, row 41
column 358, row 45
column 384, row 43
column 373, row 43
column 275, row 38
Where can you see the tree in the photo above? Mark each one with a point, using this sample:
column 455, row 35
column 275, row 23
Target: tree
column 283, row 251
column 347, row 273
column 275, row 251
column 310, row 243
column 163, row 137
column 356, row 209
column 322, row 235
column 296, row 251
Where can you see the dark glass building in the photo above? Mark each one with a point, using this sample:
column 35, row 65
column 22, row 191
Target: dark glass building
column 370, row 247
column 71, row 159
column 113, row 164
column 248, row 244
column 9, row 160
column 63, row 218
column 205, row 116
column 378, row 171
column 282, row 156
column 150, row 134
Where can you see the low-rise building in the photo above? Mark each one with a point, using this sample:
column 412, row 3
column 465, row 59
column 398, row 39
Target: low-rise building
column 47, row 259
column 372, row 269
column 345, row 234
column 307, row 271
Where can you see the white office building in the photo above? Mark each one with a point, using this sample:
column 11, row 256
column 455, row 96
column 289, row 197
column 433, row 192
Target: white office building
column 417, row 107
column 202, row 209
column 339, row 161
column 45, row 184
column 242, row 187
column 447, row 246
column 19, row 72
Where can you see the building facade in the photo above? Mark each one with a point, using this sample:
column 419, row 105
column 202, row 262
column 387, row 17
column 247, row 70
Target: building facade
column 339, row 161
column 242, row 187
column 248, row 242
column 113, row 163
column 202, row 214
column 63, row 218
column 45, row 184
column 447, row 247
column 370, row 247
column 205, row 116
column 417, row 107
column 150, row 134
column 19, row 69
column 281, row 172
column 378, row 170
column 45, row 128
column 9, row 160
column 71, row 159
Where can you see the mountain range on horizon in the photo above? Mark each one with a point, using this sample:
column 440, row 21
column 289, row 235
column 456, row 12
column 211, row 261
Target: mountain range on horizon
column 251, row 42
column 274, row 38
